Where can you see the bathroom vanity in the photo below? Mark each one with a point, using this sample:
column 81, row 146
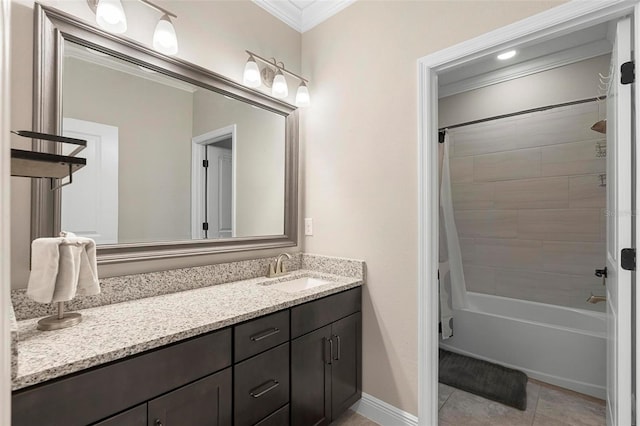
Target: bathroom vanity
column 239, row 353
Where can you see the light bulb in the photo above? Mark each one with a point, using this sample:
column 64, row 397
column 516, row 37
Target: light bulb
column 279, row 89
column 252, row 74
column 164, row 37
column 302, row 95
column 110, row 16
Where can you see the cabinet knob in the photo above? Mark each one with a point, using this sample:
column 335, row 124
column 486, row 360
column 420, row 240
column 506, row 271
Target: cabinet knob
column 158, row 422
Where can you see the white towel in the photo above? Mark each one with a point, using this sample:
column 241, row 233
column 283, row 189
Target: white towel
column 62, row 268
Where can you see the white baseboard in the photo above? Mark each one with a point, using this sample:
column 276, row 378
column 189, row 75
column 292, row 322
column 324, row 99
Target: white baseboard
column 382, row 413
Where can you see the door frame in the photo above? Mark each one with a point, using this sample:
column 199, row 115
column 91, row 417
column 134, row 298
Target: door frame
column 198, row 148
column 563, row 19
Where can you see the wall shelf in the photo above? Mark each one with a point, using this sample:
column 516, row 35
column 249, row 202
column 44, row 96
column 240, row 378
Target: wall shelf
column 35, row 164
column 44, row 165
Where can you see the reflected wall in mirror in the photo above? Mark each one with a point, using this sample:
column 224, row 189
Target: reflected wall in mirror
column 153, row 122
column 168, row 160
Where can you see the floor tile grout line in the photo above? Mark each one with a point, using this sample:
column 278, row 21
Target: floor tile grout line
column 446, row 400
column 535, row 410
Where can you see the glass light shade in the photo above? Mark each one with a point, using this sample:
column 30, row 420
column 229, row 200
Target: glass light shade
column 251, row 76
column 164, row 37
column 302, row 95
column 110, row 16
column 279, row 89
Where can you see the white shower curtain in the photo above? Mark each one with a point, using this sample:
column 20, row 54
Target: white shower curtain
column 453, row 290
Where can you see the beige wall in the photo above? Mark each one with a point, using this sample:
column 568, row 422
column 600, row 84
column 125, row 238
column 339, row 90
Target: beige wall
column 260, row 150
column 212, row 34
column 154, row 136
column 360, row 159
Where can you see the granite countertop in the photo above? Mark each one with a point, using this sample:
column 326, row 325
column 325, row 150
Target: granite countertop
column 115, row 331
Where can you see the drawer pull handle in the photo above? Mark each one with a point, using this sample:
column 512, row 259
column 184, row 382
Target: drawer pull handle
column 257, row 394
column 328, row 357
column 264, row 334
column 339, row 347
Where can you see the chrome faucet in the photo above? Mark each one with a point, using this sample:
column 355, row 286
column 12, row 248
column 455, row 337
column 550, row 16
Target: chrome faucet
column 278, row 269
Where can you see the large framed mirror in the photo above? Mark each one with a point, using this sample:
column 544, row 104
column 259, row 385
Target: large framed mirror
column 180, row 160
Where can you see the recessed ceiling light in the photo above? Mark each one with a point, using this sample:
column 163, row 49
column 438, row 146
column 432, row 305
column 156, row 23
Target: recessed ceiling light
column 507, row 55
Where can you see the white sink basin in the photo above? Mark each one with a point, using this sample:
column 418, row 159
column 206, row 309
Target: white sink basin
column 299, row 284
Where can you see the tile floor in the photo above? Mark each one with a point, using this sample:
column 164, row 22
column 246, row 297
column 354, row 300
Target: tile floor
column 547, row 405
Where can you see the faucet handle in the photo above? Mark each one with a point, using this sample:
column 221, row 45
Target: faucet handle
column 272, row 271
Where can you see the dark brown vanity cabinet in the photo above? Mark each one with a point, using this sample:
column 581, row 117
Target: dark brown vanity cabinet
column 299, row 366
column 261, row 378
column 326, row 363
column 100, row 393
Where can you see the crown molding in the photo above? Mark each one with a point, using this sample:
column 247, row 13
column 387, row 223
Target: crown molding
column 320, row 11
column 303, row 20
column 283, row 10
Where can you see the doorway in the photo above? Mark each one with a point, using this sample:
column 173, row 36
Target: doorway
column 213, row 184
column 562, row 20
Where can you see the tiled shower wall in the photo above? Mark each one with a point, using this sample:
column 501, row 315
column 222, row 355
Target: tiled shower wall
column 529, row 200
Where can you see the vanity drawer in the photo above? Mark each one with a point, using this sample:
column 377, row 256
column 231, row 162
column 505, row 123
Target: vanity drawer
column 313, row 315
column 93, row 395
column 279, row 418
column 261, row 334
column 261, row 385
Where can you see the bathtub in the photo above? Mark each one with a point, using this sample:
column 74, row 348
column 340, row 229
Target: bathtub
column 562, row 346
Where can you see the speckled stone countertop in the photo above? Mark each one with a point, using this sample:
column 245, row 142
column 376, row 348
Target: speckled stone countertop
column 115, row 331
column 13, row 331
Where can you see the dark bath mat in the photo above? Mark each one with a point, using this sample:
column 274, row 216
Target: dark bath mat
column 491, row 381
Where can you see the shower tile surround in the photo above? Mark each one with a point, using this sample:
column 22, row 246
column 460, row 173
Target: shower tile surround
column 529, row 205
column 233, row 295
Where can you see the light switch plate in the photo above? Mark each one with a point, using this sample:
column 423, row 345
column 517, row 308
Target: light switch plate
column 308, row 226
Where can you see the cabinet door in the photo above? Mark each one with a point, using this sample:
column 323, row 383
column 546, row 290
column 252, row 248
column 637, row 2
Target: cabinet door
column 346, row 365
column 136, row 416
column 311, row 379
column 206, row 402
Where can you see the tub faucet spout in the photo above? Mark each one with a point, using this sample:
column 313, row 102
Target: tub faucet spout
column 596, row 299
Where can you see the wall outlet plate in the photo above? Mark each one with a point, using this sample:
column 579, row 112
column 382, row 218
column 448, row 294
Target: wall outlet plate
column 308, row 226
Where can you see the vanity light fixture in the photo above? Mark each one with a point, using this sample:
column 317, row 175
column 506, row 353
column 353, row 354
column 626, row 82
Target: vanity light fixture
column 507, row 55
column 279, row 88
column 302, row 95
column 272, row 75
column 251, row 77
column 164, row 37
column 110, row 16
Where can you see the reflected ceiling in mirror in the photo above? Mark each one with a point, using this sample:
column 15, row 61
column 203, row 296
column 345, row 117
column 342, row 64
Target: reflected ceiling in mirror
column 167, row 160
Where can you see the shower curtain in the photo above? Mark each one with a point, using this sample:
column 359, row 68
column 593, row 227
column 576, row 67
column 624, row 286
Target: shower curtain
column 452, row 288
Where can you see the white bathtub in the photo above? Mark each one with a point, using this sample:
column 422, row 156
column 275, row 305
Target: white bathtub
column 557, row 345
